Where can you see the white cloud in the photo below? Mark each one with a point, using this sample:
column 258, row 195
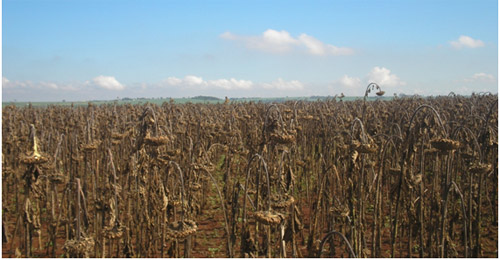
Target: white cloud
column 7, row 84
column 173, row 81
column 5, row 81
column 281, row 84
column 41, row 85
column 383, row 77
column 350, row 86
column 50, row 85
column 354, row 86
column 481, row 77
column 270, row 41
column 281, row 42
column 108, row 82
column 466, row 41
column 228, row 36
column 231, row 84
column 198, row 82
column 281, row 37
column 313, row 45
column 193, row 81
column 350, row 82
column 316, row 47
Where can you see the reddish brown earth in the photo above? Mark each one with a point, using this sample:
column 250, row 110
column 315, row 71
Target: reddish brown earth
column 210, row 239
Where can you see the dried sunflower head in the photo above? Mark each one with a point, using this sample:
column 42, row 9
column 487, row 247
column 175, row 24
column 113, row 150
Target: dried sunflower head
column 90, row 147
column 33, row 159
column 282, row 202
column 117, row 136
column 480, row 168
column 367, row 148
column 78, row 248
column 444, row 144
column 116, row 231
column 181, row 230
column 156, row 141
column 268, row 218
column 282, row 138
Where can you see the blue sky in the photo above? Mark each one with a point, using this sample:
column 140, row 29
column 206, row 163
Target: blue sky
column 83, row 50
